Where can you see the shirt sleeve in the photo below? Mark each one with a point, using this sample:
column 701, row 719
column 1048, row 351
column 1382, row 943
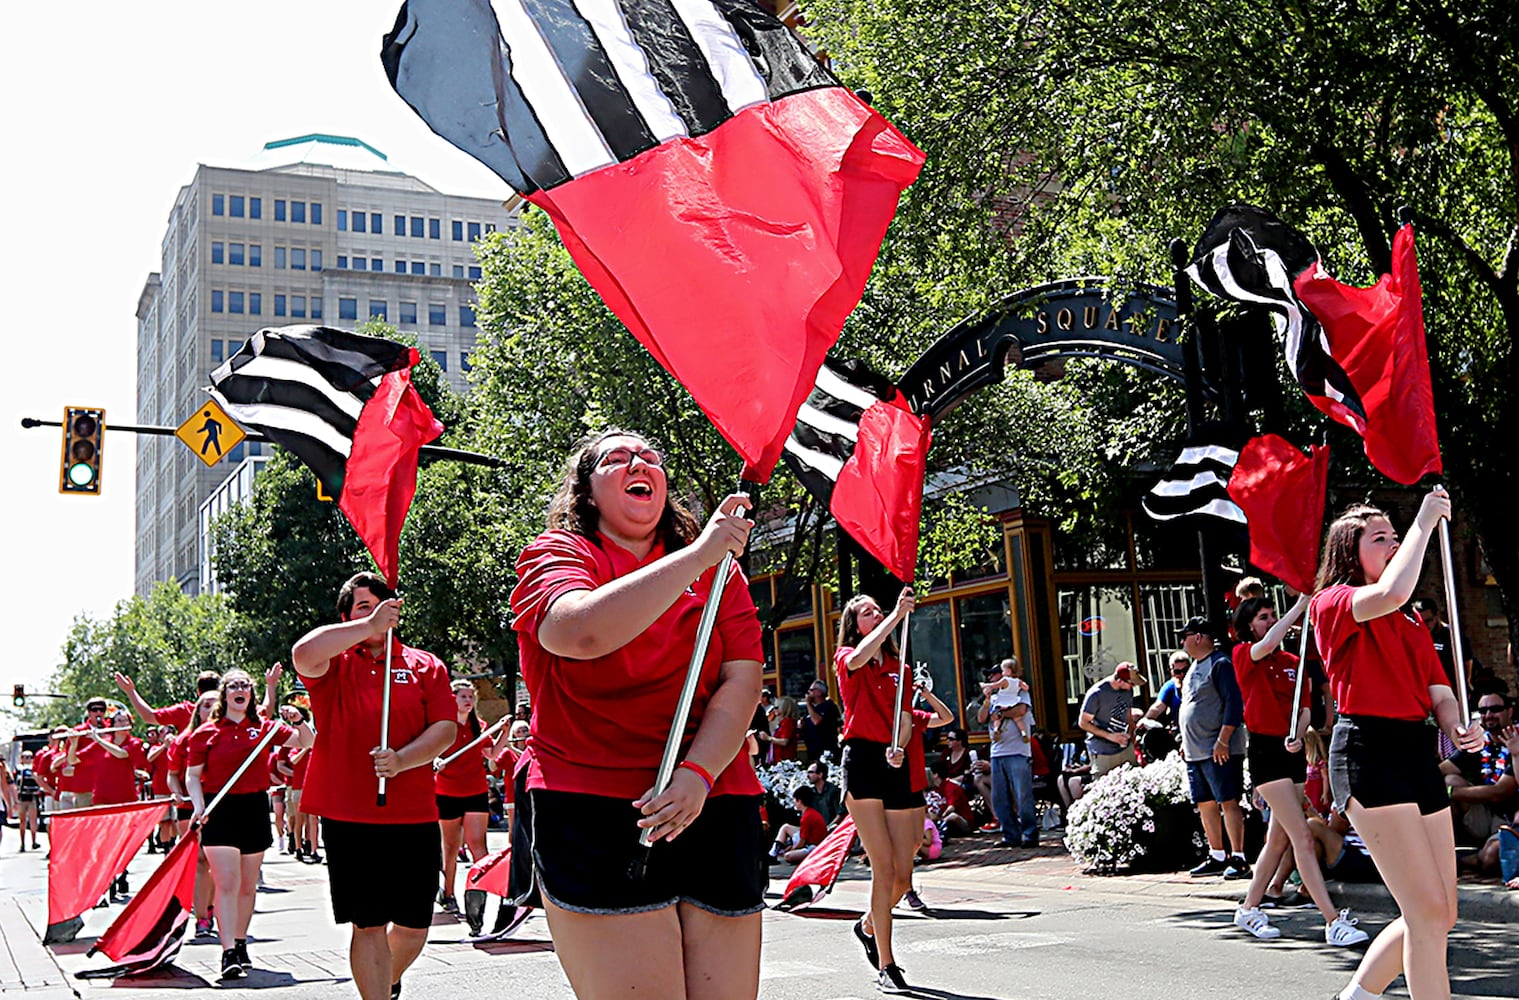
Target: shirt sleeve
column 738, row 623
column 554, row 564
column 1228, row 689
column 1333, row 620
column 437, row 695
column 197, row 748
column 1089, row 704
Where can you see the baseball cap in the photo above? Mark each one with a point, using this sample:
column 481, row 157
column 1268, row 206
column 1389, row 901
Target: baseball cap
column 1126, row 672
column 1198, row 625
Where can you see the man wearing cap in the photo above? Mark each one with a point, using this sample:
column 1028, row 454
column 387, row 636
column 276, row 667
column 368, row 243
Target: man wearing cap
column 74, row 767
column 1105, row 715
column 1213, row 741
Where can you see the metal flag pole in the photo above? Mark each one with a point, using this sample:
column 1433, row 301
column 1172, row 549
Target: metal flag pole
column 257, row 754
column 385, row 709
column 1297, row 682
column 495, row 727
column 1454, row 618
column 896, row 722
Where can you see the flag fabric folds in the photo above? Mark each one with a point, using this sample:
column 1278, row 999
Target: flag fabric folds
column 863, row 453
column 90, row 847
column 491, row 873
column 1281, row 492
column 719, row 188
column 1378, row 333
column 148, row 933
column 342, row 403
column 819, row 870
column 1198, row 481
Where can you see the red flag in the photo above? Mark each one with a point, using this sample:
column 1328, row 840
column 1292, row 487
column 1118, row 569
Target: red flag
column 149, row 932
column 819, row 870
column 1377, row 335
column 90, row 847
column 380, row 477
column 492, row 873
column 1281, row 491
column 878, row 498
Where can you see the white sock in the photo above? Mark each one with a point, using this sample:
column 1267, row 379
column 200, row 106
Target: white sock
column 1218, row 855
column 1355, row 991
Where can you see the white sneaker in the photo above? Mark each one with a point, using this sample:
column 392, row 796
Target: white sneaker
column 1342, row 931
column 1256, row 922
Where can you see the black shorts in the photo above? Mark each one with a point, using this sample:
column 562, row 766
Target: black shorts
column 455, row 806
column 1353, row 865
column 240, row 820
column 868, row 776
column 1271, row 761
column 583, row 846
column 186, row 812
column 383, row 873
column 1385, row 762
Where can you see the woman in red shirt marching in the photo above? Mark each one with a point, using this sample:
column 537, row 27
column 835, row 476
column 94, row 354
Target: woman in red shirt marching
column 877, row 787
column 606, row 609
column 236, row 835
column 1267, row 677
column 1383, row 769
column 463, row 800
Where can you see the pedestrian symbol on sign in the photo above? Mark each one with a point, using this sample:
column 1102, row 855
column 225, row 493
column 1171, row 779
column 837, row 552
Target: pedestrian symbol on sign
column 212, row 429
column 210, row 433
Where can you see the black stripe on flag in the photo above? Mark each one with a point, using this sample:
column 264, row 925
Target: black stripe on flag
column 678, row 66
column 828, row 423
column 1198, row 481
column 783, row 60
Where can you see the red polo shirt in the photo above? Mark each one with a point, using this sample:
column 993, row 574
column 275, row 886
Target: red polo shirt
column 115, row 777
column 178, row 716
column 158, row 772
column 599, row 726
column 83, row 778
column 42, row 765
column 300, row 765
column 868, row 694
column 1382, row 667
column 345, row 707
column 221, row 746
column 506, row 764
column 465, row 776
column 177, row 756
column 1266, row 685
column 917, row 762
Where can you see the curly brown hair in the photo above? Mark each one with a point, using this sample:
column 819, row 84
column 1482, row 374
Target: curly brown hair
column 849, row 625
column 571, row 509
column 1341, row 562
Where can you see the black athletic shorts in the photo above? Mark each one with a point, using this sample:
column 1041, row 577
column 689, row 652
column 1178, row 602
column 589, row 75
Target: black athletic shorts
column 455, row 806
column 1385, row 762
column 1270, row 761
column 868, row 776
column 240, row 820
column 185, row 812
column 383, row 873
column 583, row 847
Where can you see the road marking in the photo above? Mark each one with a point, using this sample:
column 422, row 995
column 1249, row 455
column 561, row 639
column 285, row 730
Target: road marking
column 979, row 944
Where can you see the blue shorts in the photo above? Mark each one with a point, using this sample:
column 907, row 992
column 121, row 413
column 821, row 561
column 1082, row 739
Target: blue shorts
column 1212, row 782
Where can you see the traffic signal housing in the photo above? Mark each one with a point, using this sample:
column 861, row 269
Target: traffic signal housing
column 83, row 435
column 18, row 698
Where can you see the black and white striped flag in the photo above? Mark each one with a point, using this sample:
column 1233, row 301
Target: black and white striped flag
column 1198, row 481
column 343, row 404
column 863, row 453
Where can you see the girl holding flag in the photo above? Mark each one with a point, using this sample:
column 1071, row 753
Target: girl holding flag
column 235, row 835
column 463, row 795
column 1383, row 769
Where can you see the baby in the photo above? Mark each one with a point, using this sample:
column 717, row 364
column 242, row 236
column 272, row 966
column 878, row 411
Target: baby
column 1003, row 693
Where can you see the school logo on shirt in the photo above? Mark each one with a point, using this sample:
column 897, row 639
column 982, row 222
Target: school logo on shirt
column 402, row 675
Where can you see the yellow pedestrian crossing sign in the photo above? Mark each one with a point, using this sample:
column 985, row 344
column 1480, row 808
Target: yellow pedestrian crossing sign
column 210, row 433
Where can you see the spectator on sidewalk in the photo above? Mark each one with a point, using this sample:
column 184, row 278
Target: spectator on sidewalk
column 1012, row 771
column 794, row 841
column 783, row 738
column 1483, row 791
column 1213, row 743
column 819, row 724
column 828, row 800
column 1105, row 718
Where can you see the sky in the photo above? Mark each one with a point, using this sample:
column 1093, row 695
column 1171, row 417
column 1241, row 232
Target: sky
column 108, row 109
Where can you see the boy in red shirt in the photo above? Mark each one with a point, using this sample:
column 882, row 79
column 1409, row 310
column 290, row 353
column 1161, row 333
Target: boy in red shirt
column 794, row 841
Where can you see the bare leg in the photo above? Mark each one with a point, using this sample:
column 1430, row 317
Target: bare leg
column 247, row 894
column 627, row 955
column 722, row 954
column 227, row 878
column 405, row 944
column 869, row 817
column 1234, row 825
column 369, row 960
column 453, row 836
column 1213, row 827
column 474, row 834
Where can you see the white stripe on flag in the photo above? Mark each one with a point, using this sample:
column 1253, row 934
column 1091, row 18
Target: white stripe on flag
column 1186, row 487
column 1198, row 453
column 826, row 423
column 825, row 464
column 558, row 109
column 285, row 370
column 632, row 66
column 1236, row 291
column 287, row 418
column 726, row 55
column 842, row 390
column 1218, row 508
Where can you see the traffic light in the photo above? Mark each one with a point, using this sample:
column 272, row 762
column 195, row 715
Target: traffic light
column 83, row 435
column 19, row 697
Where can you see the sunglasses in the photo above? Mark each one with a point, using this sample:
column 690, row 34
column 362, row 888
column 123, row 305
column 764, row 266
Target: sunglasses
column 95, row 711
column 1490, row 709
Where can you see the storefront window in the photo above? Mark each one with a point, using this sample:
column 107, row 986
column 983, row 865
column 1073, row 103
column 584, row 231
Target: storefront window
column 931, row 641
column 799, row 662
column 759, row 591
column 986, row 637
column 1096, row 634
column 1167, row 606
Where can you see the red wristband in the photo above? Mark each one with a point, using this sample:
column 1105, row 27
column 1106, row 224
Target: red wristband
column 701, row 772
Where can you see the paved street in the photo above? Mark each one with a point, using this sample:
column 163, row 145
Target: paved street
column 1016, row 925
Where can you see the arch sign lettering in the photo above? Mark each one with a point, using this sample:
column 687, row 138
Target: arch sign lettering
column 1089, row 317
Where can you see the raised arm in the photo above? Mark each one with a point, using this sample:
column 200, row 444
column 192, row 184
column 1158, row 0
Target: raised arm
column 140, row 707
column 314, row 652
column 870, row 646
column 271, row 689
column 1272, row 640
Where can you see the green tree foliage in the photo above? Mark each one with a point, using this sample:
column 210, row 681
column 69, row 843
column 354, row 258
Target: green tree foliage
column 1093, row 133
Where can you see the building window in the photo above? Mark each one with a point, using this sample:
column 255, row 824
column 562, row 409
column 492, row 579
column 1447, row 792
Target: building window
column 316, row 260
column 435, row 229
column 467, row 317
column 409, row 313
column 358, row 222
column 255, row 208
column 316, row 213
column 400, row 225
column 218, row 253
column 441, row 357
column 348, row 308
column 417, row 222
column 235, row 206
column 376, row 264
column 490, row 227
column 376, row 224
column 378, row 309
column 459, row 271
column 359, row 263
column 342, row 262
column 297, row 259
column 297, row 211
column 298, row 306
column 464, row 364
column 218, row 205
column 419, row 267
column 255, row 255
column 316, row 307
column 216, row 301
column 342, row 220
column 279, row 210
column 435, row 270
column 256, row 303
column 474, row 231
column 234, row 302
column 458, row 229
column 216, row 351
column 235, row 254
column 437, row 314
column 279, row 304
column 279, row 258
column 799, row 662
column 474, row 273
column 400, row 267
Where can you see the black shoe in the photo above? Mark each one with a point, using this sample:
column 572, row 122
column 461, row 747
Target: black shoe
column 241, row 949
column 508, row 919
column 889, row 979
column 1237, row 867
column 1210, row 866
column 1030, row 841
column 868, row 943
column 152, row 845
column 395, row 991
column 232, row 968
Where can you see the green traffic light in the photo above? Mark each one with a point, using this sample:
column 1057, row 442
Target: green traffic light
column 81, row 474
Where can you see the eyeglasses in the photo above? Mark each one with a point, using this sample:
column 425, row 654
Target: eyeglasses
column 240, row 686
column 614, row 457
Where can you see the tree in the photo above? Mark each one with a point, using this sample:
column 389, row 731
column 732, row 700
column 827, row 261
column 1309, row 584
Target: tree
column 1080, row 137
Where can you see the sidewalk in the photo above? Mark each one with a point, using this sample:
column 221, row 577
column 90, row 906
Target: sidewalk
column 25, row 965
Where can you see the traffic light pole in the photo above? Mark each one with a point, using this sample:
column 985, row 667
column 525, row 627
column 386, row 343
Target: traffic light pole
column 435, row 452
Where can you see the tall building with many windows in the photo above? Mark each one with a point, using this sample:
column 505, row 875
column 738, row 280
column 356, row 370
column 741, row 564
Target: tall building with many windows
column 315, row 229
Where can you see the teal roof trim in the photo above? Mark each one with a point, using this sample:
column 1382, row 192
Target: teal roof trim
column 333, row 140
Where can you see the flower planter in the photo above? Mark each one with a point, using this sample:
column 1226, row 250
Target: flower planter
column 1171, row 846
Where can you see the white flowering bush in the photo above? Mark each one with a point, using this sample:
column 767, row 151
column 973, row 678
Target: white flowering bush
column 784, row 776
column 1114, row 822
